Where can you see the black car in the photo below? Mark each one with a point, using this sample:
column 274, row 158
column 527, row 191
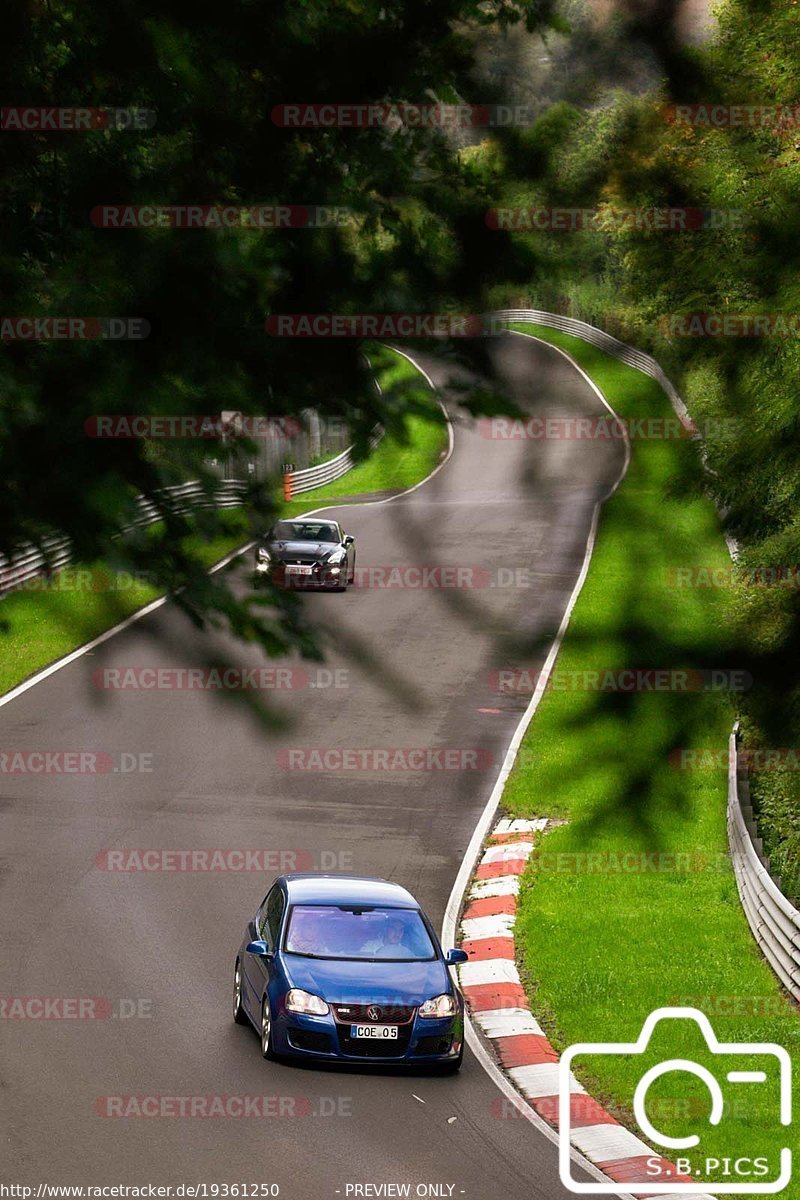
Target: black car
column 307, row 553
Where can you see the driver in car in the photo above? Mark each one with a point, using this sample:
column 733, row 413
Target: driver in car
column 391, row 944
column 309, row 938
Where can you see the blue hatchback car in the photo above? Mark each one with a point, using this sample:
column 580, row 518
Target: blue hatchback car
column 348, row 969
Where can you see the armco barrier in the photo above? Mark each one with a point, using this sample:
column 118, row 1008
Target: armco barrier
column 604, row 341
column 774, row 921
column 334, row 468
column 56, row 552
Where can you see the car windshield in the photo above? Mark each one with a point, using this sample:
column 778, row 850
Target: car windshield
column 303, row 531
column 358, row 932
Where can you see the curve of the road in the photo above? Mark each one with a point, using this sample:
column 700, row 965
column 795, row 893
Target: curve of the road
column 515, row 515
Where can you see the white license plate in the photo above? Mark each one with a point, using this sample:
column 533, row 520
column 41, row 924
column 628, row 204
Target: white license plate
column 386, row 1033
column 299, row 570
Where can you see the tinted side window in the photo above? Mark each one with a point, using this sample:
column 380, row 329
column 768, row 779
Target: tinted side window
column 274, row 909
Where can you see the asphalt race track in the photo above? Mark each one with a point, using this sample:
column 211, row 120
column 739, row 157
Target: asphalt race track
column 164, row 942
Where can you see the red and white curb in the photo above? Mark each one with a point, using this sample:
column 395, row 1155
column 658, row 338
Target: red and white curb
column 498, row 1005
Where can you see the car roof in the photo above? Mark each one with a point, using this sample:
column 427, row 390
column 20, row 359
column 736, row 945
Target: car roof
column 346, row 889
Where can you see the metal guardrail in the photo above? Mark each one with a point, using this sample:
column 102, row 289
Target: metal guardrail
column 56, row 552
column 774, row 920
column 604, row 341
column 326, row 472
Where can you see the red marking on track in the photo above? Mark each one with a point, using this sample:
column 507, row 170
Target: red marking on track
column 511, row 866
column 482, row 997
column 490, row 906
column 480, row 949
column 523, row 1049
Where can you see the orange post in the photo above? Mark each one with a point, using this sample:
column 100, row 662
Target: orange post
column 287, row 485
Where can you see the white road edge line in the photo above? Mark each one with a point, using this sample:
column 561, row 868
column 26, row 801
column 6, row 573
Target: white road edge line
column 23, row 687
column 481, row 831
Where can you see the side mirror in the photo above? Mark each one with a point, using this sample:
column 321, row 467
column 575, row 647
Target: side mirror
column 348, row 541
column 259, row 948
column 454, row 957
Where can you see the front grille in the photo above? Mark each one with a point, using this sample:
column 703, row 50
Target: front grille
column 387, row 1014
column 369, row 1048
column 434, row 1044
column 309, row 1039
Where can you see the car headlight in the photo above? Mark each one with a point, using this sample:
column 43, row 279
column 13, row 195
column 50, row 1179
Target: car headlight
column 336, row 558
column 306, row 1002
column 439, row 1006
column 263, row 554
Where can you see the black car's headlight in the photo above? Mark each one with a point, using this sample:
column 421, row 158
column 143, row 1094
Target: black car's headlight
column 439, row 1006
column 300, row 1001
column 263, row 558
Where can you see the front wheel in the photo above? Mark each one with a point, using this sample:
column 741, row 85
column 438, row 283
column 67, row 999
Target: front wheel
column 266, row 1030
column 239, row 1014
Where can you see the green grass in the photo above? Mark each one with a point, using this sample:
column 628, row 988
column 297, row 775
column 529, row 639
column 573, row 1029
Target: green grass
column 394, row 464
column 600, row 950
column 50, row 620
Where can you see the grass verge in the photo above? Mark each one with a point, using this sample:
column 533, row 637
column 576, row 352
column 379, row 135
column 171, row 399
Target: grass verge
column 54, row 617
column 632, row 905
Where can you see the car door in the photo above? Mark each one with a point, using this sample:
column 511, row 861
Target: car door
column 266, row 926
